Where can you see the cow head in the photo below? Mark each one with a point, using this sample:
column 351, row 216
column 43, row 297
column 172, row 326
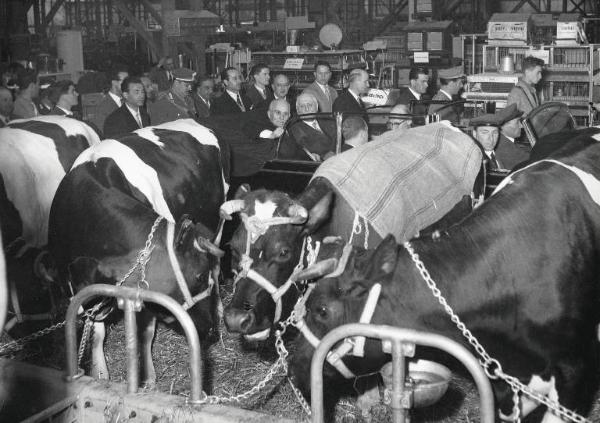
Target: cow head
column 339, row 299
column 266, row 248
column 198, row 258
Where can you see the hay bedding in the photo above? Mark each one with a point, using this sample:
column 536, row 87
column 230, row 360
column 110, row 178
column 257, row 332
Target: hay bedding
column 233, row 367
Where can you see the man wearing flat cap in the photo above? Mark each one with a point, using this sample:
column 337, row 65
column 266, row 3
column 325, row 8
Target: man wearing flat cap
column 486, row 130
column 177, row 102
column 451, row 82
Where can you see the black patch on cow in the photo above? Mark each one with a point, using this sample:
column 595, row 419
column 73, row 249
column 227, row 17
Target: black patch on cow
column 67, row 147
column 189, row 172
column 10, row 220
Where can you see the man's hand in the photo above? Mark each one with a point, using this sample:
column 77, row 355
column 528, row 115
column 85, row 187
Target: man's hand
column 277, row 132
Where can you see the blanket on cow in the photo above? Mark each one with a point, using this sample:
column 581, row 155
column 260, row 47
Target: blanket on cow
column 403, row 183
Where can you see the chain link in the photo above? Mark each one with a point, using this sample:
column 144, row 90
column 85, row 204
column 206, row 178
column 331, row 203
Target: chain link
column 19, row 344
column 492, row 367
column 87, row 326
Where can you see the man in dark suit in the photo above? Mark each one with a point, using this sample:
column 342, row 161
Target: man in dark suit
column 350, row 100
column 112, row 100
column 64, row 95
column 232, row 100
column 6, row 106
column 162, row 74
column 202, row 94
column 281, row 90
column 418, row 78
column 259, row 92
column 131, row 115
column 310, row 138
column 508, row 152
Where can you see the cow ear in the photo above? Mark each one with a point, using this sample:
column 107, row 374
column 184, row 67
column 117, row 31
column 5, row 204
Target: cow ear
column 184, row 227
column 385, row 258
column 241, row 192
column 319, row 213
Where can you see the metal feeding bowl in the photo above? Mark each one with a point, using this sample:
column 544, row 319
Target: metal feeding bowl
column 428, row 381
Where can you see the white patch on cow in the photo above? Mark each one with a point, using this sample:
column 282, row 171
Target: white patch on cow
column 258, row 336
column 138, row 173
column 506, row 181
column 596, row 136
column 148, row 134
column 202, row 134
column 72, row 127
column 264, row 211
column 31, row 169
column 542, row 387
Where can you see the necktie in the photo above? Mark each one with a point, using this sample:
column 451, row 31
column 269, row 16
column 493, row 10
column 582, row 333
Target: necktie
column 240, row 104
column 494, row 162
column 139, row 119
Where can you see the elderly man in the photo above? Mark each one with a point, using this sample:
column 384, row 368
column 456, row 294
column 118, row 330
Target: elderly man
column 177, row 102
column 399, row 123
column 281, row 89
column 487, row 132
column 310, row 138
column 451, row 82
column 232, row 101
column 320, row 88
column 418, row 82
column 524, row 93
column 6, row 106
column 355, row 132
column 350, row 100
column 272, row 127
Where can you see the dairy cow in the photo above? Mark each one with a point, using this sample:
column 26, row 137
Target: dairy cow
column 399, row 183
column 521, row 272
column 160, row 185
column 35, row 154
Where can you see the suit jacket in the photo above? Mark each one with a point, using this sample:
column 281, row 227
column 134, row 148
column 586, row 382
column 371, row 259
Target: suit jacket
column 525, row 97
column 451, row 113
column 104, row 108
column 258, row 102
column 347, row 103
column 224, row 104
column 405, row 96
column 325, row 104
column 510, row 154
column 24, row 109
column 44, row 110
column 202, row 109
column 57, row 111
column 301, row 137
column 121, row 121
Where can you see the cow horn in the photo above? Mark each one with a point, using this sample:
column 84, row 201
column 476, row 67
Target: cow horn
column 230, row 207
column 317, row 270
column 206, row 245
column 297, row 213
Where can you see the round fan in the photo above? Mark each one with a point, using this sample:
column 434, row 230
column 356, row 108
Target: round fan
column 330, row 35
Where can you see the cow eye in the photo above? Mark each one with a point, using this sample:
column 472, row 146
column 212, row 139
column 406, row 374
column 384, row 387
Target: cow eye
column 322, row 311
column 284, row 252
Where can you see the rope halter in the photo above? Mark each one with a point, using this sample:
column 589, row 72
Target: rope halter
column 255, row 228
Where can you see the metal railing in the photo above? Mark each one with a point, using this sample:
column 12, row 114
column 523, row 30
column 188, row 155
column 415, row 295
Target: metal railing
column 130, row 300
column 401, row 344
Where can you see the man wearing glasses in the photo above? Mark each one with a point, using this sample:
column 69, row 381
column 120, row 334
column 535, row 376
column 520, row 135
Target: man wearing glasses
column 177, row 102
column 399, row 123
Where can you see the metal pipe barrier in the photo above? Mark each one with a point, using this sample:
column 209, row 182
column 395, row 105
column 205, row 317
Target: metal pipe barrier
column 130, row 300
column 400, row 343
column 3, row 287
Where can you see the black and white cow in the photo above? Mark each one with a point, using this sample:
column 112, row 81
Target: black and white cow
column 167, row 181
column 397, row 183
column 35, row 154
column 522, row 272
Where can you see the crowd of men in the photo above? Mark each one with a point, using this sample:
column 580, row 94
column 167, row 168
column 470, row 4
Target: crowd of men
column 166, row 93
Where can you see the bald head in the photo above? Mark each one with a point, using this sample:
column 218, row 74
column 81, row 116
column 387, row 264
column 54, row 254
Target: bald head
column 358, row 81
column 396, row 122
column 307, row 103
column 279, row 112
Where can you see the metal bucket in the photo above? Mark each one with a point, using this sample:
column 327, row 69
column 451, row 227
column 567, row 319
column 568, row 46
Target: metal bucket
column 507, row 65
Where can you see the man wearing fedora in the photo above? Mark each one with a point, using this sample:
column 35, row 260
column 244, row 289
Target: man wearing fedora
column 486, row 131
column 177, row 102
column 451, row 82
column 524, row 93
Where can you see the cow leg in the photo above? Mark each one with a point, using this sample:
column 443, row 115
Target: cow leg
column 99, row 367
column 146, row 332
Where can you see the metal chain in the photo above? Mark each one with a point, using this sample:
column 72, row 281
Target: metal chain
column 87, row 326
column 19, row 344
column 492, row 367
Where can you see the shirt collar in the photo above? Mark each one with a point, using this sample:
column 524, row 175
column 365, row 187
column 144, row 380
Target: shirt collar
column 67, row 112
column 356, row 97
column 116, row 98
column 133, row 111
column 447, row 95
column 233, row 95
column 416, row 94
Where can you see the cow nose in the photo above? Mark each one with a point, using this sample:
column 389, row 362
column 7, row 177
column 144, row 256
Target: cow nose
column 238, row 321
